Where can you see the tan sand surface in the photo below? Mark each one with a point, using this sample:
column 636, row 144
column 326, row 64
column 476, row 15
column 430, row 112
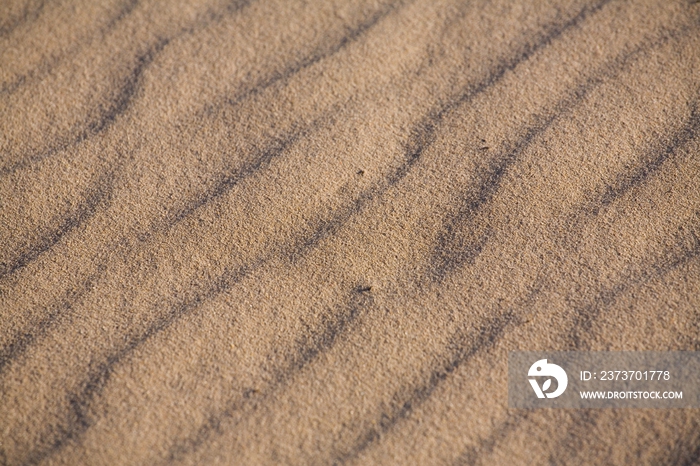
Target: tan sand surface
column 310, row 231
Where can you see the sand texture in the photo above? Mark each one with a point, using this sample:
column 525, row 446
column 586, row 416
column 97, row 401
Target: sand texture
column 310, row 231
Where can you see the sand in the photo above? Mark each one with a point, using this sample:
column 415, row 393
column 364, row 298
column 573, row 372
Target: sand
column 310, row 232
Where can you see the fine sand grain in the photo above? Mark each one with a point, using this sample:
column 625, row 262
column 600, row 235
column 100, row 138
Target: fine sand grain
column 310, row 231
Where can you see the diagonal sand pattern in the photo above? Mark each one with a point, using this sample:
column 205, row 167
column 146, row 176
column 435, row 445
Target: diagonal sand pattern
column 310, row 231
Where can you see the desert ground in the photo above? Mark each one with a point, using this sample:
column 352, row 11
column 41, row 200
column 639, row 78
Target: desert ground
column 311, row 231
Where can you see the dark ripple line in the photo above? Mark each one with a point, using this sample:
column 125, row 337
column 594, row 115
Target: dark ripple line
column 462, row 238
column 418, row 142
column 604, row 299
column 323, row 53
column 78, row 421
column 96, row 381
column 335, row 325
column 390, row 180
column 106, row 116
column 497, row 326
column 453, row 249
column 423, row 134
column 19, row 345
column 100, row 376
column 120, row 103
column 227, row 182
column 81, row 402
column 122, row 14
column 322, row 230
column 276, row 148
column 493, row 329
column 687, row 249
column 570, row 446
column 486, row 337
column 26, row 17
column 471, row 456
column 651, row 163
column 629, row 181
column 99, row 196
column 508, row 319
column 400, row 407
column 46, row 65
column 689, row 457
column 688, row 133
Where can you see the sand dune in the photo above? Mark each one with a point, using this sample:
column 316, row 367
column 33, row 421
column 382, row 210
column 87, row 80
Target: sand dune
column 310, row 232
